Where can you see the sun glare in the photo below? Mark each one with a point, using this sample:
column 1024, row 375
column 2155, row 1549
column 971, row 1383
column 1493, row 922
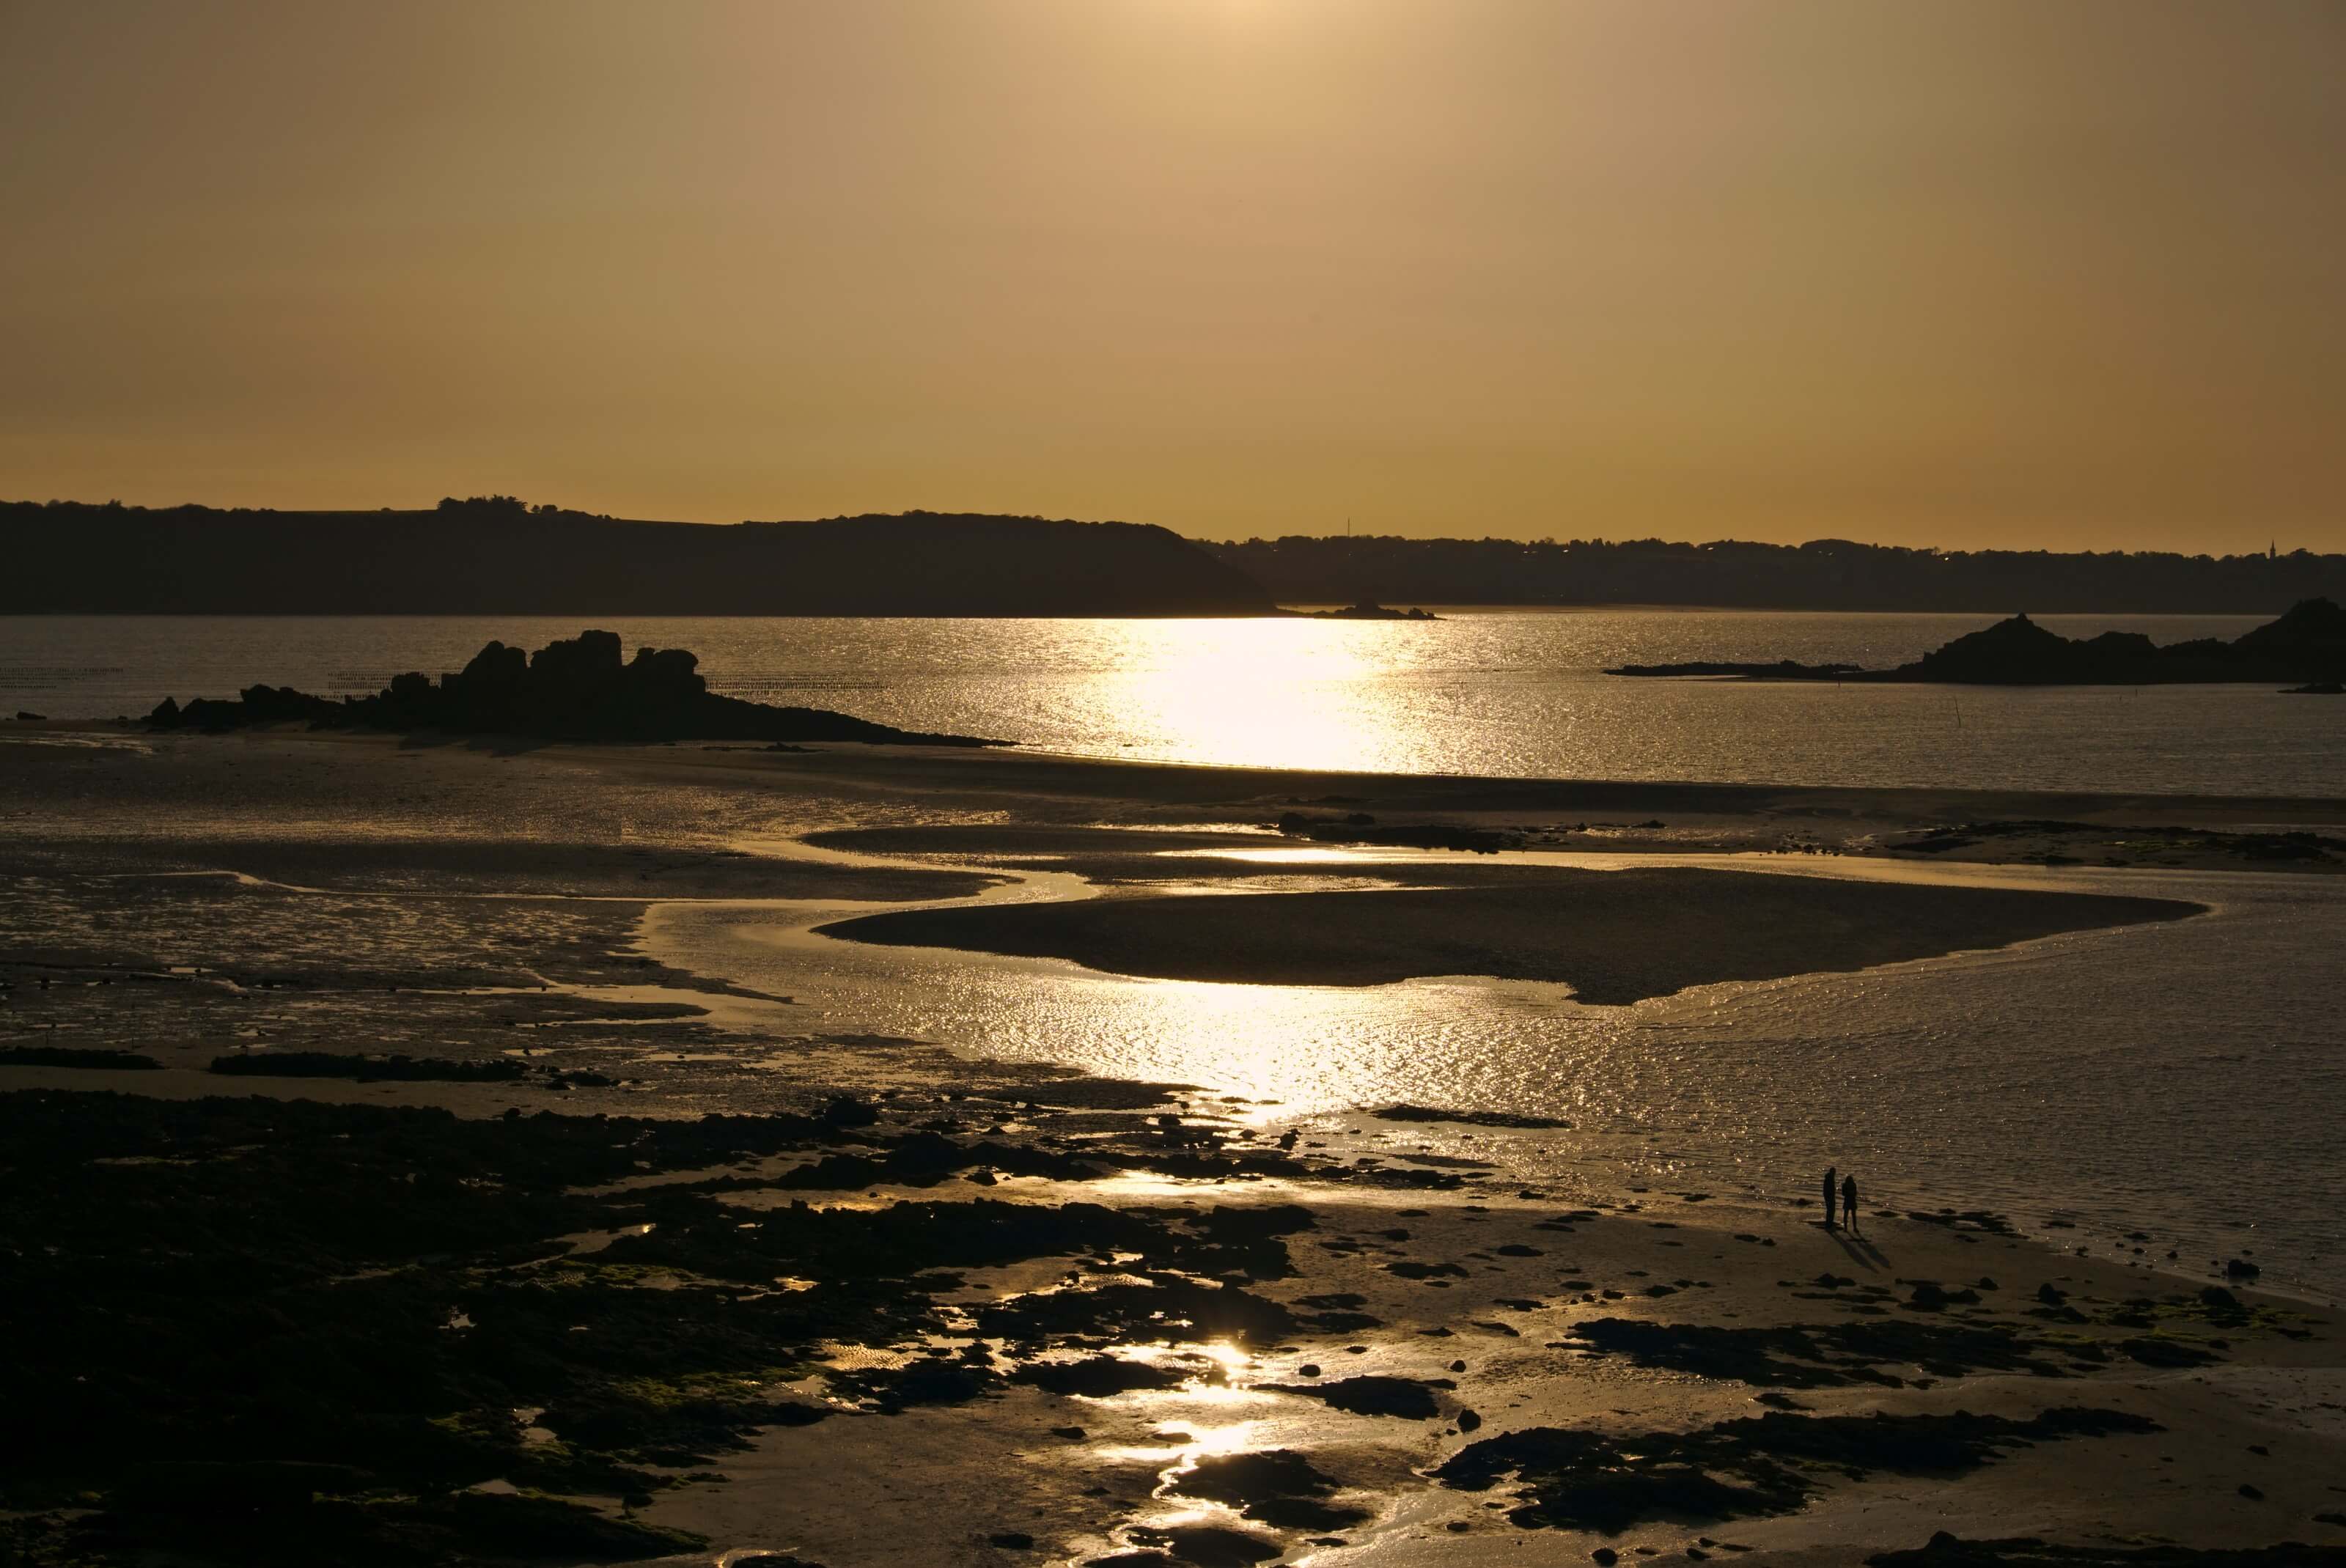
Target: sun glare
column 1271, row 688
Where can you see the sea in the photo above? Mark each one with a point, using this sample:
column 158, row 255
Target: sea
column 2168, row 1088
column 1499, row 693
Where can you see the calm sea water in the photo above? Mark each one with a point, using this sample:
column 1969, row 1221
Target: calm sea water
column 1514, row 694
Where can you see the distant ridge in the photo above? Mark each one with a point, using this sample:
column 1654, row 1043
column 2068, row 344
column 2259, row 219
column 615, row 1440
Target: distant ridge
column 494, row 556
column 1733, row 574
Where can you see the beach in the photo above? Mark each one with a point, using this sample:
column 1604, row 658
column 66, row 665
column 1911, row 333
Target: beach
column 443, row 1051
column 1172, row 784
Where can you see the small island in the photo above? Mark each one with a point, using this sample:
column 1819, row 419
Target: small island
column 1369, row 610
column 2308, row 644
column 571, row 689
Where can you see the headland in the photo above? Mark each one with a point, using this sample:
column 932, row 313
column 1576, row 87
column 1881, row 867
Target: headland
column 2307, row 644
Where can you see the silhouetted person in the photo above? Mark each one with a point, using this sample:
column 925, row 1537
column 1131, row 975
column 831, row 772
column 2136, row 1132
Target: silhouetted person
column 1829, row 1197
column 1848, row 1201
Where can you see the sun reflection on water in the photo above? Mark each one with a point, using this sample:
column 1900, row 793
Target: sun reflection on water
column 1229, row 1356
column 1180, row 1451
column 1284, row 689
column 1721, row 1083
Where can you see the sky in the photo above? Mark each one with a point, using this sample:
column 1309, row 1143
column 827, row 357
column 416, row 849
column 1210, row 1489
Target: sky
column 1964, row 273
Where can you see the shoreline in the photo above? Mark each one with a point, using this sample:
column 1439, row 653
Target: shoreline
column 934, row 850
column 1484, row 1318
column 996, row 1250
column 1058, row 775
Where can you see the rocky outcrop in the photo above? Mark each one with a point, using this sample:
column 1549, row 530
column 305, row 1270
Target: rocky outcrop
column 1369, row 610
column 1782, row 670
column 2311, row 638
column 2019, row 652
column 573, row 689
column 2308, row 644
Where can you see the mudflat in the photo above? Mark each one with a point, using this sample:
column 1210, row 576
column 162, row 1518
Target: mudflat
column 384, row 1196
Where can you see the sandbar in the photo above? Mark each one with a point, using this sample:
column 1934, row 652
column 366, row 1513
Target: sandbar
column 1614, row 936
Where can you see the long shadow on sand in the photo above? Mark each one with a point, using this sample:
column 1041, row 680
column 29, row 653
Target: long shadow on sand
column 1861, row 1251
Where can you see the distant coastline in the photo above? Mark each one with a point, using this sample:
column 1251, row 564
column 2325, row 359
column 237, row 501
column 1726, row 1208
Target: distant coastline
column 497, row 555
column 1823, row 574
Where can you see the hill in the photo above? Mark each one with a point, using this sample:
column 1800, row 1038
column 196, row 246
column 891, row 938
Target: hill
column 494, row 555
column 1823, row 574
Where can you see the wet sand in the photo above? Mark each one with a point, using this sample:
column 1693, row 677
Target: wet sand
column 1021, row 1316
column 1614, row 937
column 445, row 787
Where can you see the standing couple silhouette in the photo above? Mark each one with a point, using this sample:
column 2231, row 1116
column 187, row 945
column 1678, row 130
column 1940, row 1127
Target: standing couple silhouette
column 1848, row 1196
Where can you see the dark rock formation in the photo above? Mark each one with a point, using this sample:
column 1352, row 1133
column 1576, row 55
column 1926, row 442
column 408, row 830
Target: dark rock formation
column 1098, row 1377
column 1945, row 1551
column 2308, row 644
column 576, row 690
column 365, row 1069
column 1277, row 1487
column 1409, row 1399
column 1199, row 1546
column 2312, row 635
column 76, row 1056
column 1747, row 1468
column 1360, row 828
column 1782, row 670
column 1369, row 610
column 1407, row 1113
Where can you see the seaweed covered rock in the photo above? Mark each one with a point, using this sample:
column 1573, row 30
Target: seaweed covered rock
column 1408, row 1398
column 1747, row 1468
column 1947, row 1551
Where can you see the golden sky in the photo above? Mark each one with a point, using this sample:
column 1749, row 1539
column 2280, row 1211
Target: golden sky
column 2058, row 273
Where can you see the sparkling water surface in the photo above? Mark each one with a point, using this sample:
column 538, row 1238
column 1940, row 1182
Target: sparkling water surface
column 2187, row 1080
column 1503, row 693
column 2184, row 1079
